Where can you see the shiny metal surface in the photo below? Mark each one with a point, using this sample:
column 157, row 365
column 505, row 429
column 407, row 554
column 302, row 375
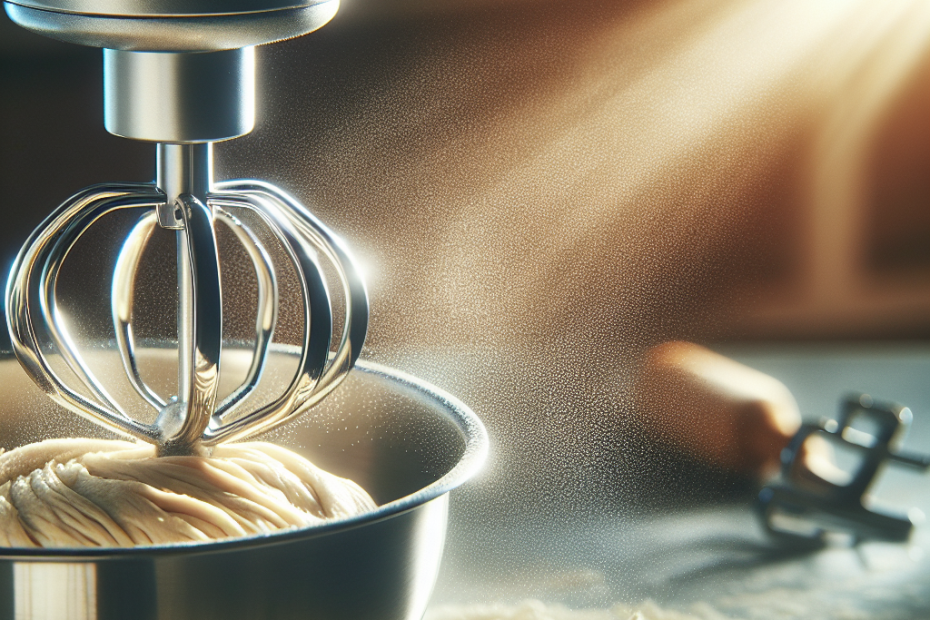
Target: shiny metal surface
column 182, row 169
column 122, row 292
column 191, row 416
column 179, row 97
column 183, row 422
column 306, row 236
column 29, row 278
column 380, row 566
column 185, row 89
column 142, row 8
column 139, row 26
column 803, row 507
column 266, row 315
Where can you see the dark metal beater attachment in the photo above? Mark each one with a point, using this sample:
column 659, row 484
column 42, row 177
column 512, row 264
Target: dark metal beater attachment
column 181, row 73
column 803, row 506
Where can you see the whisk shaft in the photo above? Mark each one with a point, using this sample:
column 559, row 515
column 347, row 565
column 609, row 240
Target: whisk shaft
column 183, row 169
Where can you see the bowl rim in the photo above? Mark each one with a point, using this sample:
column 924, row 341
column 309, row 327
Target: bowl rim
column 473, row 457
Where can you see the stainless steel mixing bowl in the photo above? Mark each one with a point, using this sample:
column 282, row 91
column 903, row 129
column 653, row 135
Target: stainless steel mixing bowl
column 403, row 440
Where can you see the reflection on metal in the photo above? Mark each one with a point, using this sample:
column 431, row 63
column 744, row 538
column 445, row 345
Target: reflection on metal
column 171, row 25
column 812, row 500
column 63, row 591
column 159, row 97
column 184, row 77
column 191, row 416
column 430, row 537
column 378, row 565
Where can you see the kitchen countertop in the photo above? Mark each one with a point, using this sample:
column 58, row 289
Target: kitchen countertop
column 715, row 556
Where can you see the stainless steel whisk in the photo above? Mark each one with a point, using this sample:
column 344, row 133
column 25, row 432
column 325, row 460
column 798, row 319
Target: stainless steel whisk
column 181, row 73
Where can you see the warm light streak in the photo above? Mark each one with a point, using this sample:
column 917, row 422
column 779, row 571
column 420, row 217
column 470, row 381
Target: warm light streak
column 716, row 82
column 569, row 161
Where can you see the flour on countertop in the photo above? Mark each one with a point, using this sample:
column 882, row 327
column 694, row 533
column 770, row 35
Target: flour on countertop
column 536, row 610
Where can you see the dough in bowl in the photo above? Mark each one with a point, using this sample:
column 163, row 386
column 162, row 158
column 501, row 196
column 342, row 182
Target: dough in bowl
column 105, row 493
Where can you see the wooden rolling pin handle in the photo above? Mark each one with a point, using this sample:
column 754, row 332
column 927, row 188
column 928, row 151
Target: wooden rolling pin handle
column 715, row 409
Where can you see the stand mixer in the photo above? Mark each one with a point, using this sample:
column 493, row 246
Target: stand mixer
column 182, row 74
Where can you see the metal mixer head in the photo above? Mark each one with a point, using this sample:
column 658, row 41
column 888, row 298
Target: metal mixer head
column 176, row 73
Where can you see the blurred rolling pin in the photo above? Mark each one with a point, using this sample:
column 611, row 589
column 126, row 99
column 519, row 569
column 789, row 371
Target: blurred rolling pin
column 715, row 409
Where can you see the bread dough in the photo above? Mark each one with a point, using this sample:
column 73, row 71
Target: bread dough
column 107, row 493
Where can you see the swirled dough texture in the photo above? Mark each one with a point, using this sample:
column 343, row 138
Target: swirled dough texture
column 105, row 493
